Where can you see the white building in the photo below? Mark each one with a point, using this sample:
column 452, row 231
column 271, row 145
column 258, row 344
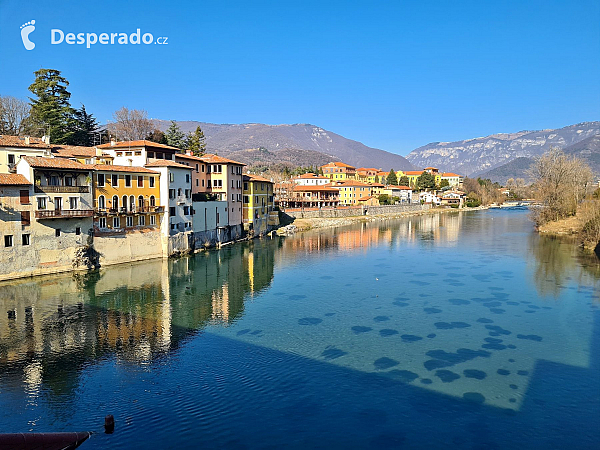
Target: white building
column 310, row 179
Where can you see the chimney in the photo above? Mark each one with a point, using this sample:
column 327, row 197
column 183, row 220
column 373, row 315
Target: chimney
column 46, row 139
column 112, row 142
column 26, row 140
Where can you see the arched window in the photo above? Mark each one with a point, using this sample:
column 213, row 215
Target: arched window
column 124, row 204
column 152, row 201
column 141, row 202
column 131, row 203
column 115, row 202
column 101, row 202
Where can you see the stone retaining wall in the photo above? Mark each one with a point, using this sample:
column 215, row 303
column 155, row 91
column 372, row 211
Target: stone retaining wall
column 351, row 212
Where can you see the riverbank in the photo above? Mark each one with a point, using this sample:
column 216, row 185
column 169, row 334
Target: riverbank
column 313, row 223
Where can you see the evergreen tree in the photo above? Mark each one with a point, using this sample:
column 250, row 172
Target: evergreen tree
column 425, row 181
column 51, row 111
column 391, row 178
column 444, row 183
column 83, row 127
column 403, row 181
column 376, row 179
column 175, row 137
column 157, row 136
column 196, row 142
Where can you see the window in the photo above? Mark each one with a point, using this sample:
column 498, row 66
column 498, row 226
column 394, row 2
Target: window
column 171, row 193
column 11, row 160
column 151, row 181
column 202, row 168
column 57, row 232
column 172, row 226
column 78, row 231
column 256, row 199
column 188, row 193
column 202, row 183
column 53, row 181
column 8, row 240
column 142, row 220
column 138, row 153
column 127, row 180
column 159, row 155
column 245, row 186
column 68, row 181
column 119, row 153
column 168, row 156
column 150, row 154
column 186, row 210
column 171, row 177
column 196, row 168
column 116, row 222
column 102, row 222
column 24, row 195
column 171, row 211
column 232, row 169
column 232, row 183
column 187, row 177
column 179, row 192
column 152, row 220
column 129, row 221
column 115, row 180
column 141, row 202
column 233, row 197
column 72, row 202
column 101, row 202
column 115, row 202
column 25, row 218
column 140, row 181
column 128, row 153
column 124, row 203
column 152, row 200
column 246, row 199
column 100, row 180
column 196, row 182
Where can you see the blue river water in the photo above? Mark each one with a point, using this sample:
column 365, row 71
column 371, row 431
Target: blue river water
column 461, row 330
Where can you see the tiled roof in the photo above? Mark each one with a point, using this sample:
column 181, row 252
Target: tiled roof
column 166, row 163
column 338, row 164
column 192, row 157
column 252, row 177
column 55, row 163
column 352, row 183
column 413, row 172
column 450, row 174
column 13, row 179
column 139, row 143
column 377, row 185
column 364, row 199
column 430, row 168
column 70, row 151
column 132, row 169
column 404, row 188
column 16, row 141
column 216, row 159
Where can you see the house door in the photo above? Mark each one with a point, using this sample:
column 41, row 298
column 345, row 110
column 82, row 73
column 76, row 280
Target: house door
column 57, row 203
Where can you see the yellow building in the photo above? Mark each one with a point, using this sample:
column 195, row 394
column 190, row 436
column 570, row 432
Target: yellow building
column 351, row 191
column 126, row 198
column 367, row 175
column 257, row 203
column 338, row 171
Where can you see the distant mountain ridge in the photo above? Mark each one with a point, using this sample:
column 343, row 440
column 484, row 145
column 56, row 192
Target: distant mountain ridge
column 473, row 157
column 297, row 144
column 588, row 149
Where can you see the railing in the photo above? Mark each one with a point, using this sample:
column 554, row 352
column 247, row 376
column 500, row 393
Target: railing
column 135, row 210
column 62, row 189
column 63, row 213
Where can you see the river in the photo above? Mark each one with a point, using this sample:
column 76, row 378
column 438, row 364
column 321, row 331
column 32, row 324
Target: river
column 461, row 330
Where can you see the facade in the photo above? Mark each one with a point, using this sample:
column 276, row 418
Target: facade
column 175, row 196
column 13, row 147
column 368, row 175
column 257, row 202
column 310, row 179
column 126, row 198
column 369, row 200
column 454, row 180
column 310, row 197
column 351, row 191
column 225, row 182
column 138, row 153
column 429, row 197
column 200, row 174
column 338, row 171
column 404, row 193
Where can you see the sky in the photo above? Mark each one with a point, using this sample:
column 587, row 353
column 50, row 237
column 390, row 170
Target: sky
column 394, row 75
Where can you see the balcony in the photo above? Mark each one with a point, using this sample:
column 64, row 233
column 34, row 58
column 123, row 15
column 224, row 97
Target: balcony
column 135, row 210
column 62, row 189
column 63, row 213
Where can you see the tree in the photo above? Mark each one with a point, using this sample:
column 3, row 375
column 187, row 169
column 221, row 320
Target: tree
column 131, row 125
column 175, row 137
column 425, row 181
column 391, row 178
column 83, row 126
column 384, row 199
column 562, row 182
column 157, row 136
column 444, row 183
column 376, row 179
column 51, row 111
column 196, row 142
column 14, row 115
column 403, row 181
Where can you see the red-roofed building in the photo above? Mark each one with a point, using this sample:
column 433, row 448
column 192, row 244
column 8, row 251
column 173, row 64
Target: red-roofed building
column 310, row 179
column 291, row 195
column 338, row 171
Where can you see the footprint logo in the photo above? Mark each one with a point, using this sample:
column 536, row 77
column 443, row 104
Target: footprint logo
column 26, row 30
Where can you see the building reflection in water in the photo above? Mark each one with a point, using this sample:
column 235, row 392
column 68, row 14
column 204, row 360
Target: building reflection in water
column 52, row 327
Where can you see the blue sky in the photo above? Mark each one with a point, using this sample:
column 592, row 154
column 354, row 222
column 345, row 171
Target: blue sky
column 391, row 74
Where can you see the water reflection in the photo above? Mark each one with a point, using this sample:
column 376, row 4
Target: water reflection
column 51, row 328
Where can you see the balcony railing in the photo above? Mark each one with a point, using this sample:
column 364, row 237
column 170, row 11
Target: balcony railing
column 62, row 189
column 136, row 210
column 63, row 213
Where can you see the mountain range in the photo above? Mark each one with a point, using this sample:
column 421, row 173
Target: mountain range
column 295, row 145
column 588, row 149
column 498, row 156
column 474, row 157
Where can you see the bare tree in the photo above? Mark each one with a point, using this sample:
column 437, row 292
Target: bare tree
column 14, row 115
column 130, row 125
column 562, row 182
